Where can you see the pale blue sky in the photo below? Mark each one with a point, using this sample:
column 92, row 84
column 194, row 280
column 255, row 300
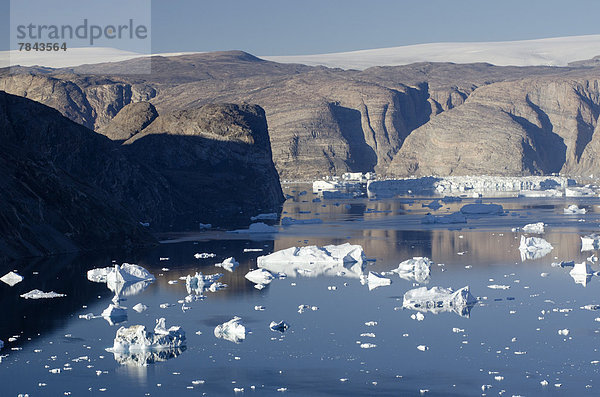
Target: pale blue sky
column 281, row 27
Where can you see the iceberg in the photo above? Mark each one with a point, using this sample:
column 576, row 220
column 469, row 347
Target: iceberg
column 573, row 209
column 136, row 338
column 146, row 357
column 140, row 307
column 579, row 191
column 417, row 269
column 281, row 326
column 534, row 248
column 376, row 280
column 581, row 273
column 330, row 260
column 124, row 280
column 258, row 227
column 455, row 217
column 438, row 299
column 231, row 330
column 590, row 242
column 199, row 283
column 11, row 278
column 482, row 209
column 260, row 277
column 534, row 228
column 229, row 264
column 37, row 294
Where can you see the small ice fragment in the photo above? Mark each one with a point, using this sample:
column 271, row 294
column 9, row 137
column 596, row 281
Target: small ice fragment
column 229, row 264
column 367, row 345
column 563, row 332
column 140, row 307
column 371, row 323
column 232, row 330
column 417, row 269
column 253, row 249
column 281, row 326
column 574, row 209
column 331, row 288
column 260, row 276
column 204, row 255
column 11, row 278
column 418, row 316
column 282, row 389
column 534, row 228
column 498, row 286
column 544, row 382
column 164, row 305
column 544, row 274
column 422, row 348
column 37, row 294
column 367, row 335
column 590, row 307
column 171, row 282
column 457, row 330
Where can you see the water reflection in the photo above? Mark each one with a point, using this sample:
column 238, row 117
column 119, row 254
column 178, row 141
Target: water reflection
column 144, row 358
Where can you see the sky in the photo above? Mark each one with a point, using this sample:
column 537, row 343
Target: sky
column 282, row 27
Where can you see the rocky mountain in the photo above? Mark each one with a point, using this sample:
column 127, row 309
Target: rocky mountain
column 424, row 118
column 66, row 188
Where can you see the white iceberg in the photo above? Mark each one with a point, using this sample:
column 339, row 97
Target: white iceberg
column 581, row 273
column 417, row 269
column 330, row 260
column 260, row 277
column 534, row 248
column 574, row 209
column 114, row 314
column 137, row 338
column 438, row 299
column 579, row 191
column 281, row 326
column 534, row 228
column 229, row 264
column 199, row 283
column 455, row 217
column 140, row 307
column 258, row 227
column 124, row 280
column 482, row 209
column 11, row 278
column 376, row 280
column 146, row 357
column 590, row 242
column 204, row 255
column 232, row 330
column 37, row 294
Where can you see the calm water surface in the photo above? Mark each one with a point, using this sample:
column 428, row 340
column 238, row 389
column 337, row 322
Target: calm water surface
column 508, row 345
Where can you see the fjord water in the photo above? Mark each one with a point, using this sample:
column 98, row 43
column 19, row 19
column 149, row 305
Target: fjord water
column 508, row 344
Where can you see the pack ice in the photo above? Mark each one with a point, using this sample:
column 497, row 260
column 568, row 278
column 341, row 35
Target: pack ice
column 590, row 242
column 229, row 264
column 330, row 260
column 438, row 299
column 137, row 338
column 417, row 269
column 11, row 278
column 534, row 248
column 232, row 330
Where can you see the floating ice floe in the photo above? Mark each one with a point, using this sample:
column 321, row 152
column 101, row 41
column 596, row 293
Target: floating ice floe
column 258, row 227
column 331, row 260
column 199, row 283
column 232, row 330
column 140, row 307
column 11, row 278
column 229, row 264
column 482, row 209
column 260, row 277
column 534, row 248
column 417, row 269
column 287, row 221
column 574, row 209
column 590, row 242
column 281, row 326
column 534, row 228
column 437, row 300
column 37, row 294
column 581, row 273
column 453, row 218
column 204, row 255
column 579, row 191
column 376, row 280
column 124, row 280
column 115, row 314
column 270, row 215
column 137, row 339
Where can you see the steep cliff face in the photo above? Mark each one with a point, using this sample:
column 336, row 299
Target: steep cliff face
column 529, row 126
column 66, row 188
